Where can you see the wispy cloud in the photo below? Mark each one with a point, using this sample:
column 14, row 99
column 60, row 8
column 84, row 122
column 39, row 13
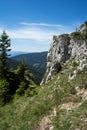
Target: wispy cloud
column 34, row 36
column 40, row 24
column 37, row 31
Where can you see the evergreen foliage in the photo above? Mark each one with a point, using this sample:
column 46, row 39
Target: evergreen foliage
column 4, row 92
column 4, row 84
column 4, row 49
column 25, row 79
column 21, row 70
column 12, row 82
column 36, row 63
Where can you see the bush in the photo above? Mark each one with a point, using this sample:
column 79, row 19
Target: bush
column 30, row 92
column 76, row 35
column 4, row 92
column 75, row 63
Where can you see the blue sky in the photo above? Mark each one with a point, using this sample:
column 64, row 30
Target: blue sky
column 31, row 24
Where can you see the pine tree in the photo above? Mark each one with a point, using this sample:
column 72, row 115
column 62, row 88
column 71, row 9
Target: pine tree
column 25, row 79
column 21, row 70
column 4, row 84
column 4, row 49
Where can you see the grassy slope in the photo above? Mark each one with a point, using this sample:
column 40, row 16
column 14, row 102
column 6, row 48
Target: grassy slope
column 28, row 112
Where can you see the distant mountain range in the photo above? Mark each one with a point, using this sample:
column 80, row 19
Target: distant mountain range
column 35, row 61
column 15, row 53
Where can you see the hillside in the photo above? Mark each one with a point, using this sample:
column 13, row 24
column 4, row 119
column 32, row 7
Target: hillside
column 61, row 100
column 36, row 74
column 36, row 63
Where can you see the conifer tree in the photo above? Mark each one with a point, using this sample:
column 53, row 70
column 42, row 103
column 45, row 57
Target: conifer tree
column 25, row 79
column 4, row 84
column 4, row 49
column 21, row 71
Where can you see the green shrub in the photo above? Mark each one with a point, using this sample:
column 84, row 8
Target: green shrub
column 4, row 92
column 76, row 35
column 75, row 63
column 30, row 92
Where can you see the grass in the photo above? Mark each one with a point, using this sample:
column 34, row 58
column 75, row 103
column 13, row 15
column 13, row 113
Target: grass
column 71, row 120
column 26, row 112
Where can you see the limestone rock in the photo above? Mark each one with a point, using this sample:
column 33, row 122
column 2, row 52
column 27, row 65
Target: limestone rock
column 67, row 47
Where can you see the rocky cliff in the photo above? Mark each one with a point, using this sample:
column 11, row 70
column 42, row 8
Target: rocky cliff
column 65, row 48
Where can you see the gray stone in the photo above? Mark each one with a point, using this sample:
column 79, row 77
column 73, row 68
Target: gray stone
column 65, row 48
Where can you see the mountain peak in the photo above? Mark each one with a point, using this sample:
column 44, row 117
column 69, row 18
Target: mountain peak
column 65, row 48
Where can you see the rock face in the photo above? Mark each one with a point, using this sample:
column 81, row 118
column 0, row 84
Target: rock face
column 66, row 47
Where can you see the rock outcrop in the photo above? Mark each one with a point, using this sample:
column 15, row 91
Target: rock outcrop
column 66, row 47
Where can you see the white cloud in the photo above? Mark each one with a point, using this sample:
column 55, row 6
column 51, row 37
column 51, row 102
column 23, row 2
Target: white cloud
column 40, row 24
column 37, row 31
column 34, row 37
column 34, row 34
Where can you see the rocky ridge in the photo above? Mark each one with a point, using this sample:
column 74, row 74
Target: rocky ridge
column 65, row 48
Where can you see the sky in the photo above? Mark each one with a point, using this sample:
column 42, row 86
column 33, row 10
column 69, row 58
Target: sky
column 31, row 24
